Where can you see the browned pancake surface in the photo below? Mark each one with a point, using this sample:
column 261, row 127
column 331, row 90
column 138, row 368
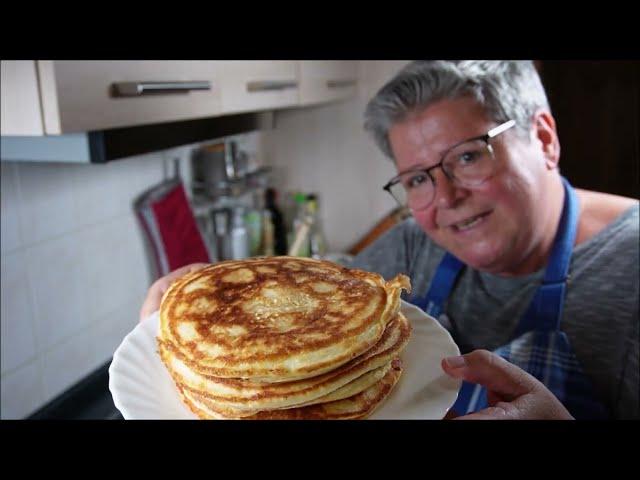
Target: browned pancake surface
column 276, row 319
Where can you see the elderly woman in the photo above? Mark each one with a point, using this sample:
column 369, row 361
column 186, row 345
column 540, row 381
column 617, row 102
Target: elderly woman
column 501, row 248
column 536, row 281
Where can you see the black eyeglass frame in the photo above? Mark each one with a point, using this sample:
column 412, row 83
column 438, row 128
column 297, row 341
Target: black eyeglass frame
column 485, row 138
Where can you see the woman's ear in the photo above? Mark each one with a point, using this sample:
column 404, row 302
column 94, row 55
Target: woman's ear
column 544, row 131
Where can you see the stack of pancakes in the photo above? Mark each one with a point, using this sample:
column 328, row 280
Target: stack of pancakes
column 283, row 338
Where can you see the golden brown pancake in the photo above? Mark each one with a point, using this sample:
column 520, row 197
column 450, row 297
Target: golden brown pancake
column 357, row 406
column 276, row 319
column 239, row 397
column 283, row 338
column 350, row 389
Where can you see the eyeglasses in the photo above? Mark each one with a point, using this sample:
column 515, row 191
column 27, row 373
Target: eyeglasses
column 467, row 164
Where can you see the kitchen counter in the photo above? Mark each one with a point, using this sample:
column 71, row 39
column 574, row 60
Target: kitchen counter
column 89, row 399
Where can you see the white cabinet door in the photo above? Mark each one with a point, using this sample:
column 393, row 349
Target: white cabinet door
column 94, row 95
column 58, row 97
column 19, row 98
column 258, row 85
column 327, row 81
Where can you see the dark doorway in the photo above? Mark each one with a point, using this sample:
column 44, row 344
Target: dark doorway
column 596, row 105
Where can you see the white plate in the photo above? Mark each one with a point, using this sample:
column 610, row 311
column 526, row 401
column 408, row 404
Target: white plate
column 143, row 389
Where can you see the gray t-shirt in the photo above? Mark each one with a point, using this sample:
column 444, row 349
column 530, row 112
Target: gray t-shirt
column 600, row 314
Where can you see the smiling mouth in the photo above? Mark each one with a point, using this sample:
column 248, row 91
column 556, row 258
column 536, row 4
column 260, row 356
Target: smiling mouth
column 469, row 222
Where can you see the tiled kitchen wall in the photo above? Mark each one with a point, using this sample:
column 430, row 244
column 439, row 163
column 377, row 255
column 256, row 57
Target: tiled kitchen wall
column 73, row 272
column 74, row 269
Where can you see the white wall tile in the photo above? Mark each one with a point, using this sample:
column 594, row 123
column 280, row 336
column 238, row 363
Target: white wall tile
column 94, row 187
column 9, row 206
column 109, row 263
column 67, row 363
column 137, row 280
column 17, row 336
column 21, row 392
column 108, row 331
column 136, row 174
column 46, row 201
column 59, row 289
column 102, row 191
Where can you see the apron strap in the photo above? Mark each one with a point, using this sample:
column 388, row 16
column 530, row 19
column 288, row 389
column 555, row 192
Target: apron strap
column 441, row 285
column 545, row 310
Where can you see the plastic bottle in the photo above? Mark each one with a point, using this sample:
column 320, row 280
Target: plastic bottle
column 239, row 241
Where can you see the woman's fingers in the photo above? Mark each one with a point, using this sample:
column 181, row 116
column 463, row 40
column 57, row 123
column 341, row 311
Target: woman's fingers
column 491, row 371
column 512, row 393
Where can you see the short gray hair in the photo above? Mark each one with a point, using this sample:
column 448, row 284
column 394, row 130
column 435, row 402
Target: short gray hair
column 508, row 90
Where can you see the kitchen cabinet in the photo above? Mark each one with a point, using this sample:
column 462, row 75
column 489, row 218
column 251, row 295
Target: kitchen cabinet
column 258, row 85
column 19, row 98
column 326, row 81
column 98, row 111
column 59, row 97
column 80, row 96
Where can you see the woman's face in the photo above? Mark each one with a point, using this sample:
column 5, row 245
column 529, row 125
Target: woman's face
column 497, row 225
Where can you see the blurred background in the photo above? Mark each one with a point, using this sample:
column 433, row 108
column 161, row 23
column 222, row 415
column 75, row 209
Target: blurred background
column 114, row 173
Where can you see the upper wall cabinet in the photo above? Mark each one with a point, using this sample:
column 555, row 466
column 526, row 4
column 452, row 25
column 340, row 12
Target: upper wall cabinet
column 326, row 81
column 258, row 85
column 19, row 98
column 67, row 97
column 95, row 95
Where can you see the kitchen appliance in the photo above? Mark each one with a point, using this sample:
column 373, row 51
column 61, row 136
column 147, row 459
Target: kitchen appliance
column 218, row 169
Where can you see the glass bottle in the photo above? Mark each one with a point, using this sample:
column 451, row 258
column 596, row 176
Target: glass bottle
column 317, row 241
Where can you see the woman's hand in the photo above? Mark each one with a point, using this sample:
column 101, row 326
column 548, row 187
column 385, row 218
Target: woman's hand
column 154, row 295
column 512, row 393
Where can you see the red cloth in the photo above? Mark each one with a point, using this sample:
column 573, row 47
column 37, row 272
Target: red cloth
column 181, row 237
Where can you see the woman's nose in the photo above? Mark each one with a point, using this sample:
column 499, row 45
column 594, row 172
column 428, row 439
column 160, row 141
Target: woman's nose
column 447, row 193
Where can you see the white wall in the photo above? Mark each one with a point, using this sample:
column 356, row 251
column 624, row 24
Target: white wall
column 73, row 273
column 325, row 149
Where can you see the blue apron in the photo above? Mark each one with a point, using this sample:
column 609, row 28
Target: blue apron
column 538, row 346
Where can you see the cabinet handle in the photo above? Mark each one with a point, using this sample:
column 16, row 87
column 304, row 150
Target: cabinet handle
column 265, row 85
column 341, row 83
column 136, row 89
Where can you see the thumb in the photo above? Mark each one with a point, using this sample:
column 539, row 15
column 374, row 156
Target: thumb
column 160, row 286
column 491, row 371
